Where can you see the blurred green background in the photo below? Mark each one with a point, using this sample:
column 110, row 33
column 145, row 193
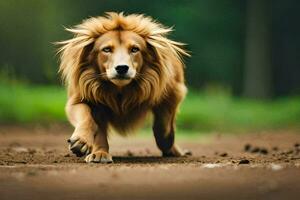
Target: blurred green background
column 243, row 75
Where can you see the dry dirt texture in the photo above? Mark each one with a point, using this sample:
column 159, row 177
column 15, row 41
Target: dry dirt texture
column 35, row 163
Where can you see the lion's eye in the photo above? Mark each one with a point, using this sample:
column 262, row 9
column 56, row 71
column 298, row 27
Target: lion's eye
column 134, row 49
column 107, row 49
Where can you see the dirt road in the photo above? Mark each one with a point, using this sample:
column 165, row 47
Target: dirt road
column 36, row 164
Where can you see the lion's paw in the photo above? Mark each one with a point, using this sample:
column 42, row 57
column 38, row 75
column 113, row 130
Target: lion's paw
column 99, row 157
column 80, row 146
column 175, row 151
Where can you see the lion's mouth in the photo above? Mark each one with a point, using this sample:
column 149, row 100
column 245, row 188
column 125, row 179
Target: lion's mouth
column 121, row 81
column 122, row 77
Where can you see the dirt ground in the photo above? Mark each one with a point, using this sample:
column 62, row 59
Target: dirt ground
column 35, row 163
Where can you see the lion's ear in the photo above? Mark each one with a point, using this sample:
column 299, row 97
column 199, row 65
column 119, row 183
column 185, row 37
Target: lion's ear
column 152, row 54
column 87, row 54
column 157, row 58
column 167, row 49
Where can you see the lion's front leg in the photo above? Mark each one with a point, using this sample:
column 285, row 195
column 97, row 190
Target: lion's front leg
column 100, row 149
column 82, row 139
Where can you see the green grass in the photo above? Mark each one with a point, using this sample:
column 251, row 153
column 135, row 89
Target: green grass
column 21, row 103
column 25, row 104
column 225, row 113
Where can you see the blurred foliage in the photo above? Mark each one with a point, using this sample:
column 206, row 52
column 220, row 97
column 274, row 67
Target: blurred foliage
column 24, row 104
column 213, row 109
column 220, row 111
column 212, row 29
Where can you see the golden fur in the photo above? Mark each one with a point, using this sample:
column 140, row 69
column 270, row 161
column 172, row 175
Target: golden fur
column 158, row 87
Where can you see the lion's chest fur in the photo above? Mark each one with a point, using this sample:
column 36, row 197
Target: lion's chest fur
column 123, row 121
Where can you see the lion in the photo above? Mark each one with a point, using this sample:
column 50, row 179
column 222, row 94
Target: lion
column 118, row 68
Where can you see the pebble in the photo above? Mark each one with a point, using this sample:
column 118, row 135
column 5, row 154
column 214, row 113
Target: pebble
column 247, row 147
column 223, row 154
column 264, row 151
column 255, row 150
column 244, row 161
column 276, row 167
column 129, row 153
column 275, row 148
column 20, row 149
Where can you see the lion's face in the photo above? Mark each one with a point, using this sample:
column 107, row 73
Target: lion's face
column 119, row 56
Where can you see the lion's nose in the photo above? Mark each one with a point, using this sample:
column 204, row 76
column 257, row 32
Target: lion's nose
column 122, row 69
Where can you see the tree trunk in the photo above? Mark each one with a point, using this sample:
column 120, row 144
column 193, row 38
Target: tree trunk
column 258, row 74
